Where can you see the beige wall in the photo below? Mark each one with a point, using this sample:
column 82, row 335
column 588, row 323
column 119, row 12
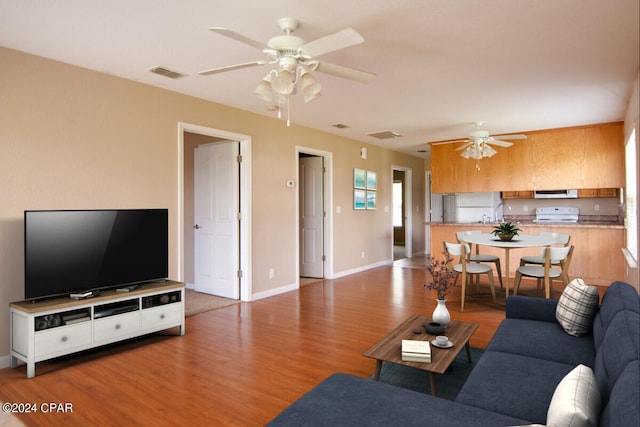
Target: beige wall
column 76, row 139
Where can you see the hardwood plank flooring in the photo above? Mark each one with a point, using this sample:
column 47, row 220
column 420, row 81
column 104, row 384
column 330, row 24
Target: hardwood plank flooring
column 243, row 364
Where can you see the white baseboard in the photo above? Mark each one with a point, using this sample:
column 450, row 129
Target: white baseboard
column 361, row 269
column 272, row 292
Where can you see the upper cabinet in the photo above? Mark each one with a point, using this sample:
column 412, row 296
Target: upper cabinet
column 598, row 192
column 576, row 157
column 517, row 194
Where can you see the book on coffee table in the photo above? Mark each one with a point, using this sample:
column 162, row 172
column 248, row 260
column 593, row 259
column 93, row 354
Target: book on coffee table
column 416, row 351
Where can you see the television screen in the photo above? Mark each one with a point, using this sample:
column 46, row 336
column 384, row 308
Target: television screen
column 76, row 250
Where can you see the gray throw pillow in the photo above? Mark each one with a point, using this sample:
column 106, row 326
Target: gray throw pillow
column 576, row 307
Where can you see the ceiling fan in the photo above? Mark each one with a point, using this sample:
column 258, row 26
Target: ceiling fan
column 479, row 144
column 295, row 60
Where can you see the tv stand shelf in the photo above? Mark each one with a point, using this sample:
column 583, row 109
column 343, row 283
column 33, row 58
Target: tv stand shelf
column 45, row 329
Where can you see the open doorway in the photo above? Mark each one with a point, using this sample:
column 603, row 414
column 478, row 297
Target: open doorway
column 401, row 213
column 311, row 215
column 230, row 156
column 314, row 217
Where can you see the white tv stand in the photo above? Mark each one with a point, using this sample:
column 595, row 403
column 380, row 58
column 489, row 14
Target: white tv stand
column 42, row 330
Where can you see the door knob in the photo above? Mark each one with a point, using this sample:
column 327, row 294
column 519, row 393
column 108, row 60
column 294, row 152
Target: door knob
column 197, row 227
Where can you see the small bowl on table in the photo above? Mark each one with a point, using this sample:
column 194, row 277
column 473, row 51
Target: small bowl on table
column 434, row 328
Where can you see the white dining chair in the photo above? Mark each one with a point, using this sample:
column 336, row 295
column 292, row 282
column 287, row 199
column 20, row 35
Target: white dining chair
column 545, row 273
column 561, row 239
column 477, row 256
column 467, row 269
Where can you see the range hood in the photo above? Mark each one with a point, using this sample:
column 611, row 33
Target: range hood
column 555, row 194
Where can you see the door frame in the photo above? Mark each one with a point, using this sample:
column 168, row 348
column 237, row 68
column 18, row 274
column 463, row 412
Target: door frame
column 427, row 211
column 328, row 209
column 245, row 201
column 408, row 209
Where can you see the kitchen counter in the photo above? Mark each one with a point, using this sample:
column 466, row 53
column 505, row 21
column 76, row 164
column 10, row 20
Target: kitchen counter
column 579, row 224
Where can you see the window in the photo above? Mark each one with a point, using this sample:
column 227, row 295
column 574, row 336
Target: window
column 631, row 197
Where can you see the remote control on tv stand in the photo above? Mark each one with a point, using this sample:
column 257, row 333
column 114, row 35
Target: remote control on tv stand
column 128, row 288
column 83, row 295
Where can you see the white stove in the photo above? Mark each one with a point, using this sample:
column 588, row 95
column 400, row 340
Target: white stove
column 559, row 215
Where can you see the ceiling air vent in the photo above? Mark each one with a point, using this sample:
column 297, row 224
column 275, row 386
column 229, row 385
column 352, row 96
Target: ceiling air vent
column 166, row 72
column 385, row 134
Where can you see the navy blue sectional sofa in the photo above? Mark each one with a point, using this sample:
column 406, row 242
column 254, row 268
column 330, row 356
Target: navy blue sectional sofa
column 512, row 383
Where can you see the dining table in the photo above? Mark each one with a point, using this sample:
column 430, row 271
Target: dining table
column 517, row 242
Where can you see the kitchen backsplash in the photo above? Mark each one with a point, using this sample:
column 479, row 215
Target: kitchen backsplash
column 591, row 209
column 613, row 219
column 587, row 206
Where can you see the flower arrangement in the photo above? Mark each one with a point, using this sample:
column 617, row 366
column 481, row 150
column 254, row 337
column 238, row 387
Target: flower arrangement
column 443, row 277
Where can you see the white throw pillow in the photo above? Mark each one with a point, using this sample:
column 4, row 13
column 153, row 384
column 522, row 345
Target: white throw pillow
column 576, row 401
column 576, row 307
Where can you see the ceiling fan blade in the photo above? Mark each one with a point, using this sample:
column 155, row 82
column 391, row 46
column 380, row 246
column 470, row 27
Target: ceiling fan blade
column 450, row 142
column 340, row 40
column 499, row 143
column 345, row 72
column 511, row 136
column 467, row 145
column 230, row 68
column 238, row 37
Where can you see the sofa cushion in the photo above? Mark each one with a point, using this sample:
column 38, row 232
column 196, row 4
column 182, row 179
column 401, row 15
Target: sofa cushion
column 513, row 385
column 623, row 408
column 620, row 346
column 576, row 400
column 531, row 308
column 542, row 340
column 619, row 296
column 577, row 306
column 346, row 400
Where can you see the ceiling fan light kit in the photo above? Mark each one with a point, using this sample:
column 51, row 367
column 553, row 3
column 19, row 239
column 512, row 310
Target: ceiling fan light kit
column 294, row 59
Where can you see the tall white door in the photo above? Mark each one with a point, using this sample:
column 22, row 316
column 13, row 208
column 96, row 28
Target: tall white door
column 311, row 217
column 216, row 199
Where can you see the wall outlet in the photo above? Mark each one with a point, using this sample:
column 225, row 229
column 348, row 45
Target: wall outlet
column 525, row 208
column 272, row 273
column 362, row 255
column 596, row 207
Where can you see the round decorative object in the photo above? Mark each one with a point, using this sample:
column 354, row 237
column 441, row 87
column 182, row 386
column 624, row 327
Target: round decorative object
column 441, row 314
column 505, row 237
column 434, row 328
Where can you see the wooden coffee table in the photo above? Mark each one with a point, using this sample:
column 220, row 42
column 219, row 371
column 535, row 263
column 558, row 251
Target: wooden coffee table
column 389, row 348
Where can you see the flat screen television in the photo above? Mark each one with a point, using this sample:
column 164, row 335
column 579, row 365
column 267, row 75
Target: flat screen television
column 67, row 251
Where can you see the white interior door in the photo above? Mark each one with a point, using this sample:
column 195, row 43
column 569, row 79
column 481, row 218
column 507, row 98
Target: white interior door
column 311, row 217
column 216, row 227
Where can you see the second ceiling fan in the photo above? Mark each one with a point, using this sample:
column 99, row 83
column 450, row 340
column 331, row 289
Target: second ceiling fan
column 479, row 143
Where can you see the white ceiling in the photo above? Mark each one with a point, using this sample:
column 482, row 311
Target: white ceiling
column 517, row 65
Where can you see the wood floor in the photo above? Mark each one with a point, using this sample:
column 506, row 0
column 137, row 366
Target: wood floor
column 243, row 364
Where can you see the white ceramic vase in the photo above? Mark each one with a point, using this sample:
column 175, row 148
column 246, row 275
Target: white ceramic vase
column 441, row 314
